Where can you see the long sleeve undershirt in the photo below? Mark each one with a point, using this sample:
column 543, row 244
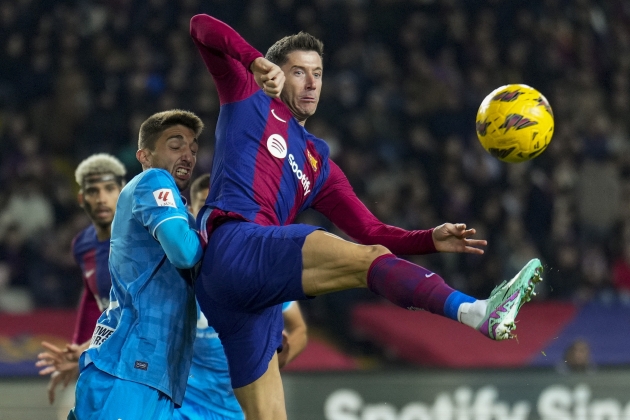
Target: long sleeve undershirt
column 180, row 243
column 227, row 56
column 87, row 316
column 340, row 204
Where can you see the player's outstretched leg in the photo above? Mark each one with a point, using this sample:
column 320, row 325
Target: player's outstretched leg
column 507, row 299
column 331, row 264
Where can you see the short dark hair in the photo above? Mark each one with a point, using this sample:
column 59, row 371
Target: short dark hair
column 302, row 41
column 200, row 184
column 154, row 126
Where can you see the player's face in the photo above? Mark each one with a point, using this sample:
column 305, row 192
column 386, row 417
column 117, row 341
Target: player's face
column 303, row 72
column 197, row 201
column 175, row 151
column 99, row 201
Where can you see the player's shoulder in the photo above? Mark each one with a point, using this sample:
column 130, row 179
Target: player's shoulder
column 150, row 188
column 84, row 240
column 150, row 180
column 154, row 177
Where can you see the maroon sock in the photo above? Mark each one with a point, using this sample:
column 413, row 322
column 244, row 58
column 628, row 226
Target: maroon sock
column 408, row 285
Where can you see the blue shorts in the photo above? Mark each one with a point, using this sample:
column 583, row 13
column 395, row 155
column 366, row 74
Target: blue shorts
column 100, row 395
column 248, row 271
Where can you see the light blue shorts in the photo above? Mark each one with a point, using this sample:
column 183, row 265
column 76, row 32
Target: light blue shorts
column 192, row 411
column 100, row 395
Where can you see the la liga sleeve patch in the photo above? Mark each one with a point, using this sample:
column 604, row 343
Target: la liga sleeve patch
column 164, row 197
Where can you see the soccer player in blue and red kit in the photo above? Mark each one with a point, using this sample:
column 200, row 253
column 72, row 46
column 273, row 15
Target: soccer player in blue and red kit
column 100, row 178
column 267, row 169
column 139, row 356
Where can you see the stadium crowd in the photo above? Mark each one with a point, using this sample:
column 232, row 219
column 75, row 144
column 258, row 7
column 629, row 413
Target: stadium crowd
column 403, row 83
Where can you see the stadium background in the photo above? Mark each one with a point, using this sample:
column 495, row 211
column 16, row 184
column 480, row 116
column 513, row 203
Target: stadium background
column 403, row 80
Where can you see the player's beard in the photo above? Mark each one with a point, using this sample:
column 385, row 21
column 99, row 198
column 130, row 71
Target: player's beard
column 102, row 223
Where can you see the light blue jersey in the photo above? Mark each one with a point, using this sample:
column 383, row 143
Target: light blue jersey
column 209, row 393
column 146, row 335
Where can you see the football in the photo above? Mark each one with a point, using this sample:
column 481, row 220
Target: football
column 515, row 123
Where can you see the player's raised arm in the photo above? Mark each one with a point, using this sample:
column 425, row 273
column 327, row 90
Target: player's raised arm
column 228, row 57
column 340, row 204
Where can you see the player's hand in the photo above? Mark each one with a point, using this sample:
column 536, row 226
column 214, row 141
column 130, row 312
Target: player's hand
column 56, row 359
column 73, row 352
column 268, row 76
column 451, row 237
column 283, row 356
column 62, row 378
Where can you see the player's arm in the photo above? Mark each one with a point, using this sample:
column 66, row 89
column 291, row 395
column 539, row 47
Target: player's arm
column 180, row 242
column 158, row 206
column 294, row 335
column 340, row 204
column 89, row 310
column 87, row 316
column 232, row 61
column 62, row 364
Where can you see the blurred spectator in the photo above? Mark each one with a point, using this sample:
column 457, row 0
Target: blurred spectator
column 577, row 358
column 28, row 211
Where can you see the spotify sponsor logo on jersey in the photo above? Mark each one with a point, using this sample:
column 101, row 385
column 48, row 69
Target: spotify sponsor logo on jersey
column 277, row 146
column 300, row 175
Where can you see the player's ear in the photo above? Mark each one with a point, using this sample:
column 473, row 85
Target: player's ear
column 144, row 158
column 80, row 198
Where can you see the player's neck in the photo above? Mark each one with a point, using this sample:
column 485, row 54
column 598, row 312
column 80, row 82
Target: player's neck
column 103, row 232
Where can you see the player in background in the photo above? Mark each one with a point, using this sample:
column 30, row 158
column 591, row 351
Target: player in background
column 267, row 169
column 209, row 393
column 139, row 356
column 100, row 178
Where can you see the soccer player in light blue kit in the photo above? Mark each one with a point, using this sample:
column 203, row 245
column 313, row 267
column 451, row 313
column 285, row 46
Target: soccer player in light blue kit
column 139, row 357
column 209, row 394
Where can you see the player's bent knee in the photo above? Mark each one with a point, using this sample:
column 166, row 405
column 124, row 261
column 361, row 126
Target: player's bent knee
column 369, row 254
column 375, row 251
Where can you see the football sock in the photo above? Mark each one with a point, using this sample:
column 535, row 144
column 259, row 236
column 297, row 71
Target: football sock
column 472, row 313
column 413, row 287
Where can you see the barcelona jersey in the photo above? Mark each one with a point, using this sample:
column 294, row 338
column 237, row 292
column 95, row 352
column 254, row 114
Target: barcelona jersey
column 92, row 257
column 267, row 168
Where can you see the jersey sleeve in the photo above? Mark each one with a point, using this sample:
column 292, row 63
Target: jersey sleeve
column 338, row 202
column 87, row 315
column 156, row 200
column 88, row 310
column 227, row 56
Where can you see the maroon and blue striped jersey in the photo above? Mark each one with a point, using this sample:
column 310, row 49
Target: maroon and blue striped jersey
column 267, row 168
column 92, row 256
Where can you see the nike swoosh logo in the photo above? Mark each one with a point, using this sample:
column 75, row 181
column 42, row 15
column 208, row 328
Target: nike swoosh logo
column 273, row 112
column 89, row 273
column 428, row 275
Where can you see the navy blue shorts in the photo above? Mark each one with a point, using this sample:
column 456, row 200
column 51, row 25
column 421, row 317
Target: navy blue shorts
column 247, row 272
